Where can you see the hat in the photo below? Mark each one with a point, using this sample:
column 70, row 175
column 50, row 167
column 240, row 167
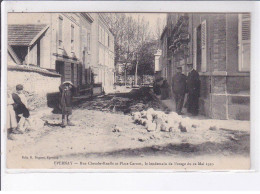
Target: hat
column 19, row 87
column 68, row 82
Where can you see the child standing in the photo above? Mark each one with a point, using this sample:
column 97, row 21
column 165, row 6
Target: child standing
column 67, row 91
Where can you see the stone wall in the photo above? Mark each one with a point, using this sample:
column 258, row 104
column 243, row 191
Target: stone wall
column 41, row 90
column 225, row 97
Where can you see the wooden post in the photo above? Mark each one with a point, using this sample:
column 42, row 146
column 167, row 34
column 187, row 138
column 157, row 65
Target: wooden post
column 28, row 56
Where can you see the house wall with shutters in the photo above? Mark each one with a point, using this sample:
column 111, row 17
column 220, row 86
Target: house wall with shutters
column 225, row 77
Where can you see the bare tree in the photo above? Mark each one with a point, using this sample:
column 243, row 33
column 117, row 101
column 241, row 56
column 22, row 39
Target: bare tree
column 130, row 34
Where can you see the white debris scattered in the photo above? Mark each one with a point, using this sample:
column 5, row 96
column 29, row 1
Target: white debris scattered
column 159, row 121
column 117, row 129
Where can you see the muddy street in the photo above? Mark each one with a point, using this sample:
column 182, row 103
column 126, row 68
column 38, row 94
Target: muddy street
column 104, row 128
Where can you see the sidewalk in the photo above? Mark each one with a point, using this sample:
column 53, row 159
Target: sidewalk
column 226, row 124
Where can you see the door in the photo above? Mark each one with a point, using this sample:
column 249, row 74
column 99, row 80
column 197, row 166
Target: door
column 72, row 73
column 59, row 67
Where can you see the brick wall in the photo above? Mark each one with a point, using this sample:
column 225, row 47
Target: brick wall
column 219, row 43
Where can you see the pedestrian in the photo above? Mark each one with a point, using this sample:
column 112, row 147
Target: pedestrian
column 179, row 89
column 11, row 118
column 164, row 90
column 21, row 109
column 67, row 90
column 156, row 86
column 193, row 89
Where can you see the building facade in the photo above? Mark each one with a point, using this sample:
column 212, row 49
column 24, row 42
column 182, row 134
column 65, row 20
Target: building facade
column 78, row 46
column 86, row 21
column 218, row 45
column 56, row 47
column 103, row 55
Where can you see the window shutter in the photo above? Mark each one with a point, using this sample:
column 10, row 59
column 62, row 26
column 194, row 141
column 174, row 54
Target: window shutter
column 203, row 46
column 195, row 48
column 244, row 36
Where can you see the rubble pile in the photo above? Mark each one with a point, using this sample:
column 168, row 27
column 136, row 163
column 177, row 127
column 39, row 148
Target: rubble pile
column 107, row 103
column 159, row 121
column 135, row 101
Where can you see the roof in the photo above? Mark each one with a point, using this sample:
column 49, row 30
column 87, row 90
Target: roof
column 25, row 34
column 88, row 17
column 13, row 55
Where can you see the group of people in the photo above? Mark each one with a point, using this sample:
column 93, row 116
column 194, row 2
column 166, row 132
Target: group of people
column 18, row 120
column 190, row 84
column 18, row 112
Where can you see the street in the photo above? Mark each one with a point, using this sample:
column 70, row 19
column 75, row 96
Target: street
column 104, row 129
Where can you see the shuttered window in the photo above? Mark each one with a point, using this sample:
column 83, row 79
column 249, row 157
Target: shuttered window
column 244, row 36
column 204, row 46
column 195, row 48
column 60, row 38
column 72, row 38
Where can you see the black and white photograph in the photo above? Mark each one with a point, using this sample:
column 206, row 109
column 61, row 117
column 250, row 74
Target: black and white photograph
column 128, row 90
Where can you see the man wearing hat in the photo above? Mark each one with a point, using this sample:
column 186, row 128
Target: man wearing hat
column 67, row 91
column 179, row 89
column 193, row 89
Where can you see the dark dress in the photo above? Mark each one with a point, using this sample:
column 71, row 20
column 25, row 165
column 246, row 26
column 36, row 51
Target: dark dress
column 179, row 90
column 164, row 90
column 19, row 107
column 66, row 94
column 193, row 89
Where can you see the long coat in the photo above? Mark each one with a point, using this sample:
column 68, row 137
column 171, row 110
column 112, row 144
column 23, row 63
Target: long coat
column 66, row 93
column 179, row 83
column 193, row 89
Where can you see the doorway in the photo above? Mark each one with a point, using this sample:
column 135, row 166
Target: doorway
column 59, row 68
column 72, row 73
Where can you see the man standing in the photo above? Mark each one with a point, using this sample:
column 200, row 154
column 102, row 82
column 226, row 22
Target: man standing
column 193, row 88
column 179, row 89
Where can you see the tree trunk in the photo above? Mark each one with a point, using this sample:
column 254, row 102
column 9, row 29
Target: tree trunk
column 136, row 76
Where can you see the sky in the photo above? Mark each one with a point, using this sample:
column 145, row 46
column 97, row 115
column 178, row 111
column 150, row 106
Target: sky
column 152, row 18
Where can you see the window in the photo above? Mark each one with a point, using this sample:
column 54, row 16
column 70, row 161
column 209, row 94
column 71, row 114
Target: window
column 88, row 41
column 106, row 39
column 195, row 48
column 99, row 34
column 244, row 37
column 200, row 47
column 204, row 46
column 60, row 31
column 72, row 38
column 103, row 36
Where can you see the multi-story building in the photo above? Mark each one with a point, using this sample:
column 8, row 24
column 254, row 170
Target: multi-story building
column 55, row 41
column 102, row 60
column 86, row 21
column 218, row 45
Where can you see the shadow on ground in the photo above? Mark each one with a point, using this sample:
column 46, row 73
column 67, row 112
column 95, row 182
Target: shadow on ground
column 238, row 144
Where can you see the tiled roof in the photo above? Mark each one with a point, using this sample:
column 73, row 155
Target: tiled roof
column 23, row 34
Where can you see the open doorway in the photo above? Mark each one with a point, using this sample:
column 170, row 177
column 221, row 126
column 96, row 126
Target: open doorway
column 59, row 67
